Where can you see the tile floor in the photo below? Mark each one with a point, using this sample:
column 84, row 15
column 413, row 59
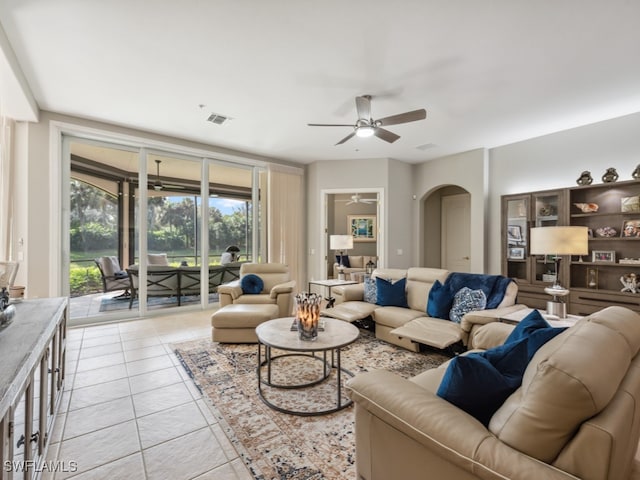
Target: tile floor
column 129, row 411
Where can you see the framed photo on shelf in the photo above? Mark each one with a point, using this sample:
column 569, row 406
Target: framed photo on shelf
column 515, row 253
column 630, row 229
column 362, row 227
column 514, row 234
column 630, row 204
column 608, row 256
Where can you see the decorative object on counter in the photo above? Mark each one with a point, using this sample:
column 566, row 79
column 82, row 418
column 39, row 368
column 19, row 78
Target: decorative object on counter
column 636, row 173
column 546, row 210
column 585, row 178
column 608, row 256
column 630, row 229
column 610, row 175
column 630, row 204
column 308, row 315
column 370, row 267
column 8, row 271
column 606, row 232
column 558, row 241
column 629, row 282
column 629, row 261
column 587, row 207
column 592, row 278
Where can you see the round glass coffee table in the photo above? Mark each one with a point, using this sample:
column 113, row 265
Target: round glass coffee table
column 278, row 334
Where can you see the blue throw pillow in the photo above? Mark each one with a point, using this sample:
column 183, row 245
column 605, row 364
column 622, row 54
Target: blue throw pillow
column 391, row 294
column 439, row 301
column 370, row 290
column 479, row 383
column 345, row 261
column 465, row 301
column 251, row 284
column 535, row 330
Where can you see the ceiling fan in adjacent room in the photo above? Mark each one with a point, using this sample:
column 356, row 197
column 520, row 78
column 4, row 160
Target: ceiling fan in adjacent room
column 158, row 185
column 366, row 126
column 358, row 199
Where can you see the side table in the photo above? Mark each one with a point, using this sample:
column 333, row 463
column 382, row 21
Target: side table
column 516, row 317
column 330, row 284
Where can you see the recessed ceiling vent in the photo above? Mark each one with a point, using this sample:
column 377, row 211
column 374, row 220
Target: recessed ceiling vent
column 426, row 146
column 218, row 119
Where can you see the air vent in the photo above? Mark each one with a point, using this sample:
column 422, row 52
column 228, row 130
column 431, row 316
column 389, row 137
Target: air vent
column 218, row 119
column 426, row 146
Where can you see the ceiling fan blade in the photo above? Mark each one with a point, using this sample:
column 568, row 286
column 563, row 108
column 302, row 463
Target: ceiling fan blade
column 329, row 125
column 346, row 138
column 363, row 107
column 385, row 135
column 403, row 118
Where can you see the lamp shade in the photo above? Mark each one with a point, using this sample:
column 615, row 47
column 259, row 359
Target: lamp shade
column 559, row 241
column 340, row 242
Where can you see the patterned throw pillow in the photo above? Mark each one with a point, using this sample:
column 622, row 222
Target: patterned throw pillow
column 466, row 300
column 370, row 290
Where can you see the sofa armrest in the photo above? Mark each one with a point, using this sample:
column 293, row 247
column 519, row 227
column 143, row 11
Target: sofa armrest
column 443, row 429
column 482, row 317
column 232, row 289
column 286, row 287
column 348, row 293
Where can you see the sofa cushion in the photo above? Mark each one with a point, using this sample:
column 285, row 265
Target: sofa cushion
column 479, row 383
column 251, row 284
column 370, row 290
column 465, row 301
column 570, row 379
column 535, row 329
column 438, row 304
column 345, row 260
column 419, row 283
column 391, row 294
column 395, row 317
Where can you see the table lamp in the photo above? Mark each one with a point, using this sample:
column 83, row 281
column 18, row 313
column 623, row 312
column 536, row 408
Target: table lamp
column 558, row 241
column 340, row 243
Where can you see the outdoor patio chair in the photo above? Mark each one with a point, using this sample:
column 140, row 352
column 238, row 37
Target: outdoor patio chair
column 161, row 282
column 190, row 279
column 113, row 277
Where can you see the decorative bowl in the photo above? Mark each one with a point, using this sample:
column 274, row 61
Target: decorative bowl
column 587, row 207
column 606, row 232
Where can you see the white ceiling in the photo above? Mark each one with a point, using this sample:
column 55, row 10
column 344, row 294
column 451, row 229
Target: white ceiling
column 489, row 72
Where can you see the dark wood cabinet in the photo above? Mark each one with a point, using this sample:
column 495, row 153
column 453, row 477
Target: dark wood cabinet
column 611, row 212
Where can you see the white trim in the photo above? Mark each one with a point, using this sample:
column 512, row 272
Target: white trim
column 382, row 231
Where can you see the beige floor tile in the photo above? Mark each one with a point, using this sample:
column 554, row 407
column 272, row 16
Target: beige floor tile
column 223, row 441
column 130, row 335
column 100, row 361
column 206, row 411
column 96, row 417
column 241, row 469
column 58, row 428
column 156, row 379
column 127, row 468
column 101, row 331
column 184, row 457
column 52, row 455
column 99, row 375
column 145, row 352
column 75, row 334
column 149, row 365
column 101, row 340
column 102, row 392
column 225, row 472
column 161, row 399
column 99, row 448
column 107, row 349
column 169, row 424
column 148, row 341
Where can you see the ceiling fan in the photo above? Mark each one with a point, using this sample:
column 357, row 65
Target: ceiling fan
column 358, row 199
column 158, row 185
column 366, row 126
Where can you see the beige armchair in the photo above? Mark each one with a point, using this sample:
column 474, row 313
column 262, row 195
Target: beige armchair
column 278, row 287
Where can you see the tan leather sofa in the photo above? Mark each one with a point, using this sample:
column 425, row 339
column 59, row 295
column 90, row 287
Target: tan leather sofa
column 409, row 327
column 358, row 263
column 278, row 287
column 575, row 416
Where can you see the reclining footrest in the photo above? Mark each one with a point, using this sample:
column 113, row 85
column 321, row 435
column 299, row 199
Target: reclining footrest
column 434, row 332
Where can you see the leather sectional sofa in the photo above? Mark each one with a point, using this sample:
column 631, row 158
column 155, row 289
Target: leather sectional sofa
column 575, row 415
column 409, row 327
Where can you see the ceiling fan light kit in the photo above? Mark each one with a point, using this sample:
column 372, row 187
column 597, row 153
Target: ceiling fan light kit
column 366, row 126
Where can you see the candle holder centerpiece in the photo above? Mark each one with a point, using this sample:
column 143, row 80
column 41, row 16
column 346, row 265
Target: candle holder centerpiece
column 308, row 315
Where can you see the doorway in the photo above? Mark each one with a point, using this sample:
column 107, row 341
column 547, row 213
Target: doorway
column 447, row 229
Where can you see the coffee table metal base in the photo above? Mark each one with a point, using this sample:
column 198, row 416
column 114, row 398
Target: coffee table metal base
column 328, row 367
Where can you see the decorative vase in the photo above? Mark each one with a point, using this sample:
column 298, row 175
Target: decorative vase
column 308, row 315
column 585, row 178
column 636, row 173
column 610, row 175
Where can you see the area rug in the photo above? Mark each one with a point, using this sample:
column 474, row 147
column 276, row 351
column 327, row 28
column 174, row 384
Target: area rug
column 274, row 445
column 122, row 303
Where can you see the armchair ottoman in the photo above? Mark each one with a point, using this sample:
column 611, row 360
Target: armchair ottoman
column 237, row 323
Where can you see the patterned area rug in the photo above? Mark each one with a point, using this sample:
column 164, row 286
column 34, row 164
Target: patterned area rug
column 279, row 446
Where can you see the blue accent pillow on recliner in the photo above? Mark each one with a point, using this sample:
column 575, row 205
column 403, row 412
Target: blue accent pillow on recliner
column 345, row 261
column 391, row 294
column 535, row 329
column 479, row 383
column 439, row 301
column 251, row 284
